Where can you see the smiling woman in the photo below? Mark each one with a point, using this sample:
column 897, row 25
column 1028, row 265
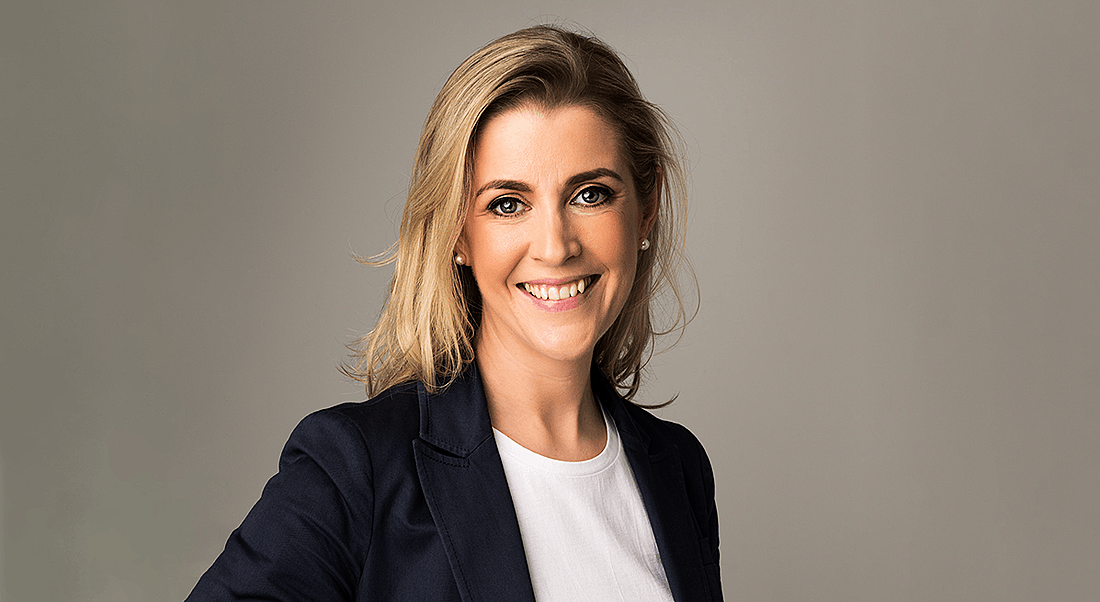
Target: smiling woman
column 552, row 216
column 500, row 457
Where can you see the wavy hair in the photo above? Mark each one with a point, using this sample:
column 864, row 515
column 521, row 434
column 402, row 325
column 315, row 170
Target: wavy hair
column 427, row 327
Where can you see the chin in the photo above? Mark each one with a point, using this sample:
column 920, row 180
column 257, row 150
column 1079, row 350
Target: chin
column 566, row 347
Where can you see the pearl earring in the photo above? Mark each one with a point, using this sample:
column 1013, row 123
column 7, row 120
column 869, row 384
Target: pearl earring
column 645, row 244
column 459, row 259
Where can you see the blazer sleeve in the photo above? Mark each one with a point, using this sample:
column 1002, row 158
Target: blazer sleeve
column 307, row 536
column 709, row 525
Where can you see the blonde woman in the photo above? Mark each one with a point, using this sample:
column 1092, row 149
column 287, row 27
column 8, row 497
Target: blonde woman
column 499, row 457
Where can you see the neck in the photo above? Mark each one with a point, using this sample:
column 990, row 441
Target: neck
column 543, row 404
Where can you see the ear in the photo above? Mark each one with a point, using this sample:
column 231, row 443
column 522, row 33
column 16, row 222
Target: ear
column 462, row 248
column 652, row 208
column 462, row 245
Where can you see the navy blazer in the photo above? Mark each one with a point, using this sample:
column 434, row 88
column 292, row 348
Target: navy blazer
column 403, row 497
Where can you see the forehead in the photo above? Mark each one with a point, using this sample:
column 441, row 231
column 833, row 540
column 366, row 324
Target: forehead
column 534, row 139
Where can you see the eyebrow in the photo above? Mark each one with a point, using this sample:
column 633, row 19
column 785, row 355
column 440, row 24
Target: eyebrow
column 516, row 185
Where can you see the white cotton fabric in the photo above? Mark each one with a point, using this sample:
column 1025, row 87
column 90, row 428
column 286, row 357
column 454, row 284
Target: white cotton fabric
column 585, row 531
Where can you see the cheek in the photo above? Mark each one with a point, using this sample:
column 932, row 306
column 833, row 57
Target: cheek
column 494, row 245
column 493, row 253
column 617, row 240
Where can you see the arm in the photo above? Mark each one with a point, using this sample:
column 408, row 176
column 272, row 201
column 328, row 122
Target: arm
column 709, row 524
column 307, row 536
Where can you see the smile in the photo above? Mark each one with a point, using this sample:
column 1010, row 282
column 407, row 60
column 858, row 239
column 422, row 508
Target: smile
column 560, row 291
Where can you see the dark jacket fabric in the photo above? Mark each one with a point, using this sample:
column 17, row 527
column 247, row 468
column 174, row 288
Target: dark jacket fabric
column 403, row 497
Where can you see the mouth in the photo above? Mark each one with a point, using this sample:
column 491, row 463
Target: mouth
column 557, row 292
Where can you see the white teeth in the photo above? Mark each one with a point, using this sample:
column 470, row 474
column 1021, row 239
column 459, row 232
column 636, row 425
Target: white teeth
column 554, row 293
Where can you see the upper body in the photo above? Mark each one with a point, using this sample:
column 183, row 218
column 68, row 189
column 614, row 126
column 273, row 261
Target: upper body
column 403, row 497
column 541, row 222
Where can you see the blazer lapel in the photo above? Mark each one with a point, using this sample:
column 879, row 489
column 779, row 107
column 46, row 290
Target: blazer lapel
column 463, row 481
column 659, row 474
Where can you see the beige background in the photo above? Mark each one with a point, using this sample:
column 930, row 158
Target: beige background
column 896, row 225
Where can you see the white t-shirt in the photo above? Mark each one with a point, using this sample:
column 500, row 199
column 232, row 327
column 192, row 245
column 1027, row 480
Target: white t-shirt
column 585, row 531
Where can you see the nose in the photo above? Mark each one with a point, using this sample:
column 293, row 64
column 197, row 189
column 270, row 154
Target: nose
column 554, row 239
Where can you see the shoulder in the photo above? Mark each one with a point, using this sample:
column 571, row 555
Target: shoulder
column 670, row 438
column 346, row 437
column 658, row 435
column 664, row 432
column 397, row 404
column 313, row 526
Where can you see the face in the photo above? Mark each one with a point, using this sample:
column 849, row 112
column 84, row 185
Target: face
column 552, row 233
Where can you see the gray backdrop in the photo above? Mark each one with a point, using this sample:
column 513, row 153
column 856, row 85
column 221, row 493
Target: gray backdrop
column 895, row 226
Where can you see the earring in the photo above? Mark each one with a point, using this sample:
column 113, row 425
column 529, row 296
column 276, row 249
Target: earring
column 645, row 244
column 459, row 259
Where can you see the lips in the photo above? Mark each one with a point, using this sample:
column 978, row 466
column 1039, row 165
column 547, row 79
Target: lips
column 558, row 291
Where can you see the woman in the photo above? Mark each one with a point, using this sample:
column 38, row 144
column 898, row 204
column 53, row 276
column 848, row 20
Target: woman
column 497, row 458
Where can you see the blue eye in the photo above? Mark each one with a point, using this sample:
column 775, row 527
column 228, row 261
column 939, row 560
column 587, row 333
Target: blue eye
column 506, row 206
column 592, row 196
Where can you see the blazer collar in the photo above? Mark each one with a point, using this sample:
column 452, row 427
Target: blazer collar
column 658, row 471
column 456, row 419
column 617, row 407
column 467, row 493
column 464, row 485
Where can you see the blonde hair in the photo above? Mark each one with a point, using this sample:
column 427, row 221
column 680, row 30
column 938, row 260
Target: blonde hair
column 426, row 330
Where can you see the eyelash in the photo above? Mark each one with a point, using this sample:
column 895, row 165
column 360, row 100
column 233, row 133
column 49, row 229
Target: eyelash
column 603, row 191
column 494, row 207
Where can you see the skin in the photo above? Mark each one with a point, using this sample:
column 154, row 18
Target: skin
column 553, row 203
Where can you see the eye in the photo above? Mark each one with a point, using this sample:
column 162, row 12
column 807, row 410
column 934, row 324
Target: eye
column 592, row 196
column 506, row 206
